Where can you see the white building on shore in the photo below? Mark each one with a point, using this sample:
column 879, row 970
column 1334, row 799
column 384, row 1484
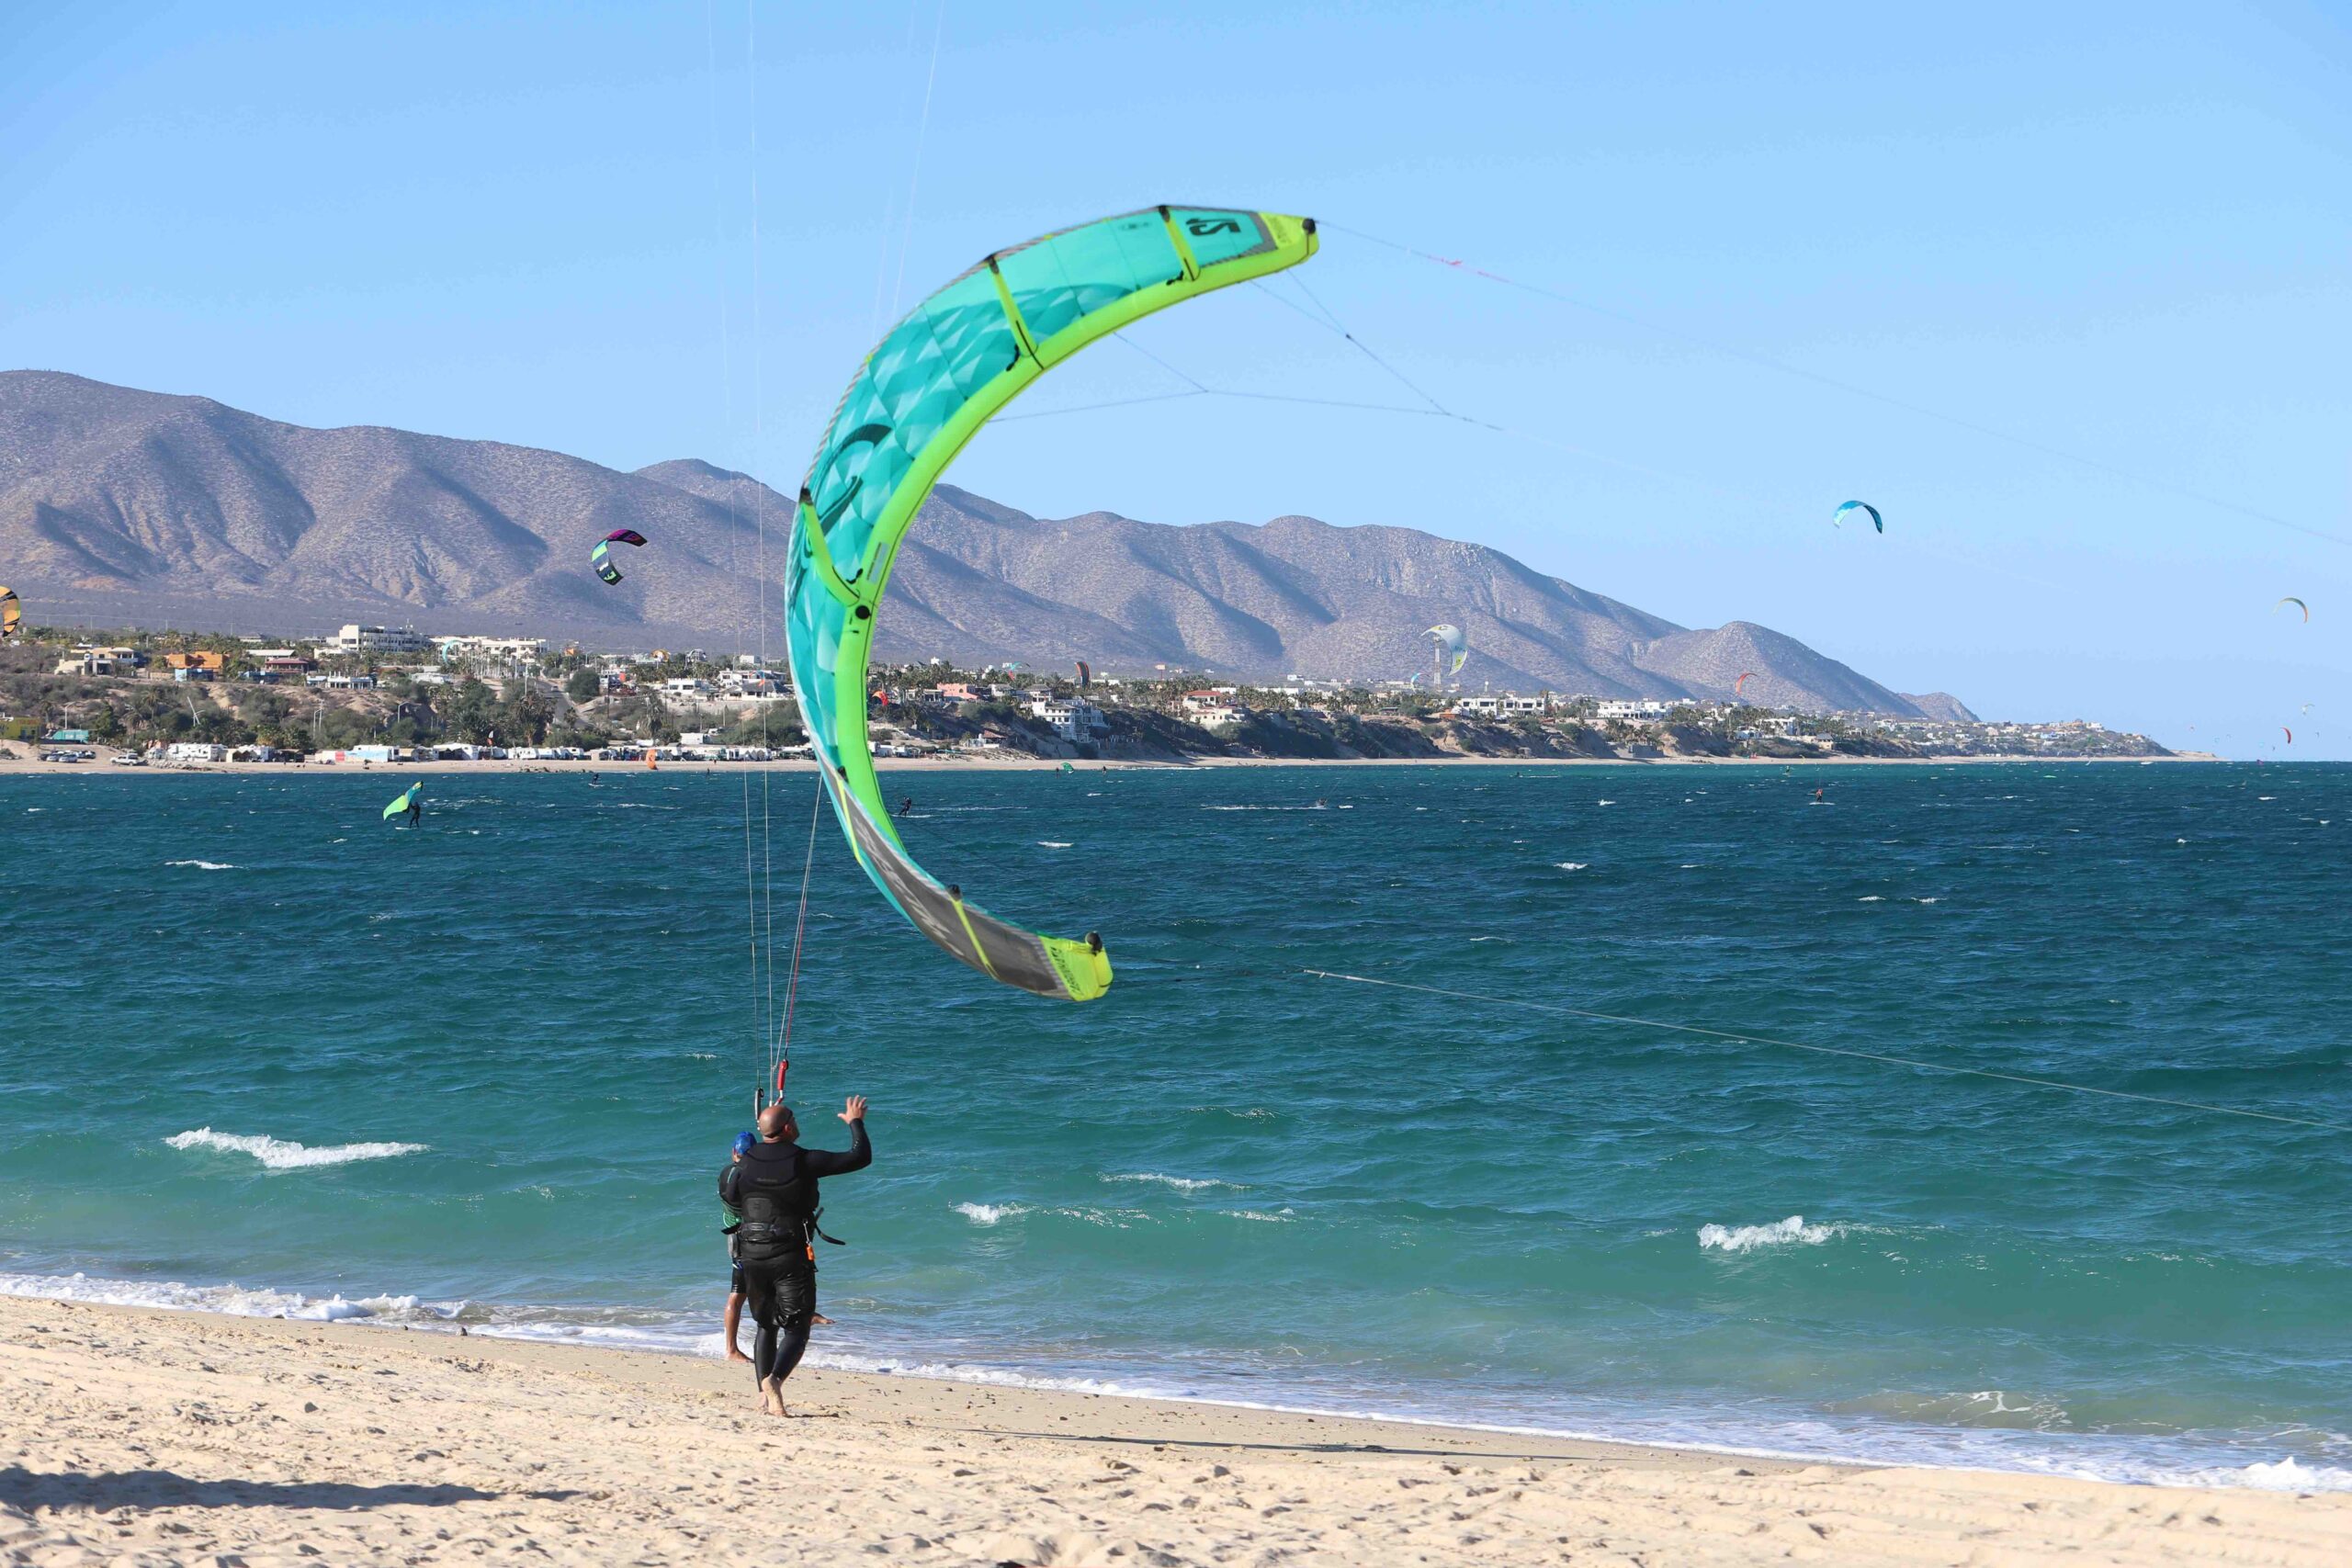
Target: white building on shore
column 490, row 649
column 1074, row 718
column 356, row 638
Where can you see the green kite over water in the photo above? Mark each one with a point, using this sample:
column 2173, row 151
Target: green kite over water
column 955, row 360
column 404, row 801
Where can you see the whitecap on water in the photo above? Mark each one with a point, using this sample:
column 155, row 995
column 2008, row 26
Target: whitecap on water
column 1052, row 844
column 203, row 864
column 283, row 1153
column 1180, row 1183
column 992, row 1214
column 1792, row 1231
column 1571, row 864
column 1871, row 898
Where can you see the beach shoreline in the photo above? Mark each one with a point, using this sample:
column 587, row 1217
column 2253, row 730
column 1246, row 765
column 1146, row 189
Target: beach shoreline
column 1024, row 764
column 168, row 1435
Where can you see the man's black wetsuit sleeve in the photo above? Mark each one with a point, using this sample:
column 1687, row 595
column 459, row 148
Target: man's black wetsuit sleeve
column 728, row 1188
column 825, row 1162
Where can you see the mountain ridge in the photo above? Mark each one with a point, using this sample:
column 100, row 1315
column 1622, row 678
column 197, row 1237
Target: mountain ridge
column 117, row 505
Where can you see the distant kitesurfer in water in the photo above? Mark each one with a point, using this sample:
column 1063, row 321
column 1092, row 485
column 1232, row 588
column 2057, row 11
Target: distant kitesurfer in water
column 415, row 809
column 906, row 803
column 772, row 1185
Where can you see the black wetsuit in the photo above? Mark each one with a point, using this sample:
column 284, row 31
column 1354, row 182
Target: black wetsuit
column 774, row 1187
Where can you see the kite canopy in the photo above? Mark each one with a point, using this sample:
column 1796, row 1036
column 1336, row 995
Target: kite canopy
column 600, row 556
column 1838, row 518
column 11, row 612
column 402, row 801
column 1736, row 685
column 1449, row 638
column 2298, row 603
column 956, row 359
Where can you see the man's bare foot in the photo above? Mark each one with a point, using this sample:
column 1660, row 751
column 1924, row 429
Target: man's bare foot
column 735, row 1355
column 771, row 1397
column 819, row 1318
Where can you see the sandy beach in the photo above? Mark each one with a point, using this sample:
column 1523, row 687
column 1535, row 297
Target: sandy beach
column 140, row 1436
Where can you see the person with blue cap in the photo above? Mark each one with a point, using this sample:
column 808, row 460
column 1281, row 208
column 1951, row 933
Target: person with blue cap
column 734, row 1222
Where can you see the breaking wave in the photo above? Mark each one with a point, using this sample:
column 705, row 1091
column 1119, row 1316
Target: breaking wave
column 282, row 1154
column 1792, row 1231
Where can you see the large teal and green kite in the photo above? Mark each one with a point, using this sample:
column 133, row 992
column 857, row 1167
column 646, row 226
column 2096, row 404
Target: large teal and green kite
column 955, row 360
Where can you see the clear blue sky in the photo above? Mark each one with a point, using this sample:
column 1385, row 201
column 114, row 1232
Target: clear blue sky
column 2123, row 232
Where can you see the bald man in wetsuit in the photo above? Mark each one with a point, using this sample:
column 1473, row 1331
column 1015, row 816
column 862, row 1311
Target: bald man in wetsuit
column 774, row 1187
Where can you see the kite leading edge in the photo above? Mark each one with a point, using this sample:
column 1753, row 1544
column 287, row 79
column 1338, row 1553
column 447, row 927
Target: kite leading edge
column 955, row 360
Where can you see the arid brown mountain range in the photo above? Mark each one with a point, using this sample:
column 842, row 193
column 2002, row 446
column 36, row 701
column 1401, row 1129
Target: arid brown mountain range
column 121, row 507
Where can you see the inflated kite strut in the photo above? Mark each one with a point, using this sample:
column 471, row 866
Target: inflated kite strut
column 955, row 360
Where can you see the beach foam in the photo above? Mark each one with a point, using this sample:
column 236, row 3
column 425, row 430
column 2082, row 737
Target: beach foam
column 233, row 1300
column 281, row 1154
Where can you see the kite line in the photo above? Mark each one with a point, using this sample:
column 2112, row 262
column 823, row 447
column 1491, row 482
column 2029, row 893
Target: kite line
column 1784, row 367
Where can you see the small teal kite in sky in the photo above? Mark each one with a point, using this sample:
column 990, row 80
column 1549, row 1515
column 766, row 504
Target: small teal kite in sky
column 1837, row 519
column 601, row 557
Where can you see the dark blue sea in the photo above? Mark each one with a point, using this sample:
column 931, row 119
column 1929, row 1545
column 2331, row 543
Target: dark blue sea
column 262, row 1052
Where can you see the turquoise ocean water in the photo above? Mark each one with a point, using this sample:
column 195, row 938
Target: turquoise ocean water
column 262, row 1052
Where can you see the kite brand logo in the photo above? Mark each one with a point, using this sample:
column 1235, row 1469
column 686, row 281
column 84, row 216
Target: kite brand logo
column 1202, row 227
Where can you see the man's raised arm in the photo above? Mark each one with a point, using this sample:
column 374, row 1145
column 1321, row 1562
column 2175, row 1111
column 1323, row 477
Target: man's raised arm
column 825, row 1162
